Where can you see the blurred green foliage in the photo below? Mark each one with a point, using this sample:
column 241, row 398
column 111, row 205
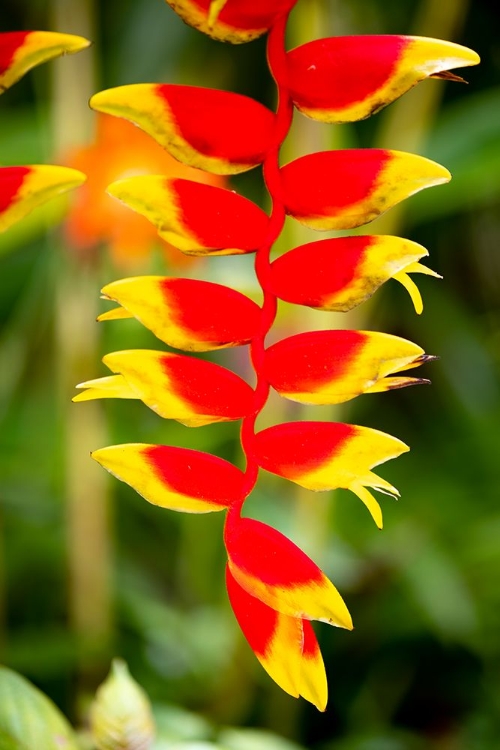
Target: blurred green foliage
column 422, row 668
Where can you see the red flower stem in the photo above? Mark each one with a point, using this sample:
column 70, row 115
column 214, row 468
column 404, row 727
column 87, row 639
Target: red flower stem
column 276, row 55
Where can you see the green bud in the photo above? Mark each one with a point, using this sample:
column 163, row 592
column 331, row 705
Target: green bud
column 120, row 716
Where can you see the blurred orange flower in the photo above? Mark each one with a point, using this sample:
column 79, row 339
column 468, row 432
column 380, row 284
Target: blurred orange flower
column 121, row 150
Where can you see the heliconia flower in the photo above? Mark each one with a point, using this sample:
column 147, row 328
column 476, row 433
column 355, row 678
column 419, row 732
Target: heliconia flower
column 330, row 367
column 94, row 218
column 218, row 131
column 24, row 188
column 234, row 21
column 190, row 390
column 186, row 313
column 330, row 455
column 339, row 274
column 344, row 189
column 286, row 646
column 348, row 78
column 268, row 566
column 22, row 50
column 197, row 219
column 179, row 479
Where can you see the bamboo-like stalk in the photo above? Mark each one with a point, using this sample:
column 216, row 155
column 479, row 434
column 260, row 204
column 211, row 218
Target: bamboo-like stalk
column 88, row 530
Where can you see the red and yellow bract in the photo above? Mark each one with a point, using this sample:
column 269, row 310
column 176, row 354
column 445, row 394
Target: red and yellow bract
column 274, row 587
column 338, row 274
column 237, row 131
column 233, row 21
column 22, row 50
column 186, row 313
column 175, row 478
column 24, row 188
column 348, row 78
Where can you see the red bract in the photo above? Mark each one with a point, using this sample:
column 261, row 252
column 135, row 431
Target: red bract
column 185, row 313
column 175, row 478
column 348, row 78
column 22, row 50
column 198, row 219
column 214, row 130
column 23, row 188
column 233, row 21
column 274, row 587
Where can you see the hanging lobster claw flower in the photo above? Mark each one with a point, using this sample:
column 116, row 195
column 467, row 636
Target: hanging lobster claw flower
column 175, row 478
column 344, row 189
column 218, row 131
column 330, row 455
column 348, row 78
column 235, row 21
column 330, row 367
column 339, row 274
column 273, row 569
column 197, row 219
column 24, row 188
column 190, row 390
column 22, row 50
column 286, row 646
column 186, row 313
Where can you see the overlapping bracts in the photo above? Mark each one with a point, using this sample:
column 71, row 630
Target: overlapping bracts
column 275, row 589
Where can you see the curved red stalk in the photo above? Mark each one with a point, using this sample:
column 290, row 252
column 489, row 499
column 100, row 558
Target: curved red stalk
column 276, row 55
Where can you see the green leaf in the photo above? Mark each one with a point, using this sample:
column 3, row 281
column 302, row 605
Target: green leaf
column 28, row 719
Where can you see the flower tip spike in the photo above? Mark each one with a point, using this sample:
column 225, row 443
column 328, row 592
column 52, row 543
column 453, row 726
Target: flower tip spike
column 22, row 50
column 435, row 57
column 23, row 189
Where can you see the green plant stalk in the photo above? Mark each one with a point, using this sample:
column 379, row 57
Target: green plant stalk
column 88, row 524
